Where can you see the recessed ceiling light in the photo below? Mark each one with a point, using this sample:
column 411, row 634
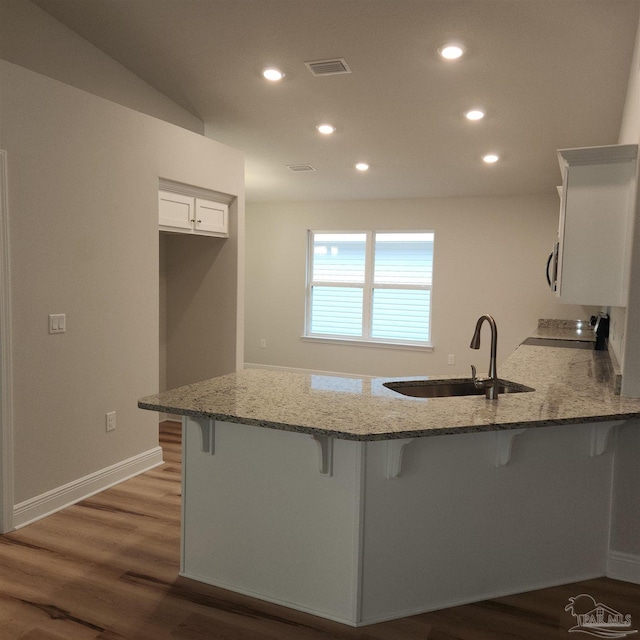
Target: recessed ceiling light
column 474, row 114
column 273, row 74
column 451, row 51
column 326, row 129
column 362, row 166
column 490, row 158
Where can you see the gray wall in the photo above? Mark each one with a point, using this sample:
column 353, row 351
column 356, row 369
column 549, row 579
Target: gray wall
column 201, row 316
column 625, row 322
column 33, row 39
column 489, row 257
column 83, row 179
column 625, row 535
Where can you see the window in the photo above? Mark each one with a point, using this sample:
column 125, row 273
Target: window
column 370, row 286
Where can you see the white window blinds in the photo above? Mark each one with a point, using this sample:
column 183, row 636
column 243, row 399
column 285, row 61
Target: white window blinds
column 371, row 286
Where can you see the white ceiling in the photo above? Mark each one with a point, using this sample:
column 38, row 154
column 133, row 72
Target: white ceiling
column 550, row 73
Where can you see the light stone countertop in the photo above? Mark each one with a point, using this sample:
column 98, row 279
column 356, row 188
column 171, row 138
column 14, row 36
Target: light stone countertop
column 571, row 386
column 565, row 330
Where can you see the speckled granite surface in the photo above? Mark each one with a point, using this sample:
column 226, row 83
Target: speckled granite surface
column 571, row 386
column 565, row 330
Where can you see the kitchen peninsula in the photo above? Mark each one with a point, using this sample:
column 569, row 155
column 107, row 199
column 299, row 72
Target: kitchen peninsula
column 332, row 495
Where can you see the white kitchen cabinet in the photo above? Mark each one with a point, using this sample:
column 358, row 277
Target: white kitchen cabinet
column 596, row 224
column 357, row 546
column 181, row 213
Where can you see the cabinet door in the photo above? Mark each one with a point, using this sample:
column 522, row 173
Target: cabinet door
column 211, row 218
column 596, row 224
column 176, row 212
column 594, row 250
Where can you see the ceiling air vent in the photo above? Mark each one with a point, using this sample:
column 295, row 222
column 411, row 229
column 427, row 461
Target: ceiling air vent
column 328, row 67
column 300, row 167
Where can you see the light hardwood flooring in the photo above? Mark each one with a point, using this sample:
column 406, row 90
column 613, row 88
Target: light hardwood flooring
column 107, row 569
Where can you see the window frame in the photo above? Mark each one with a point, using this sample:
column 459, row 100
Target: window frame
column 368, row 286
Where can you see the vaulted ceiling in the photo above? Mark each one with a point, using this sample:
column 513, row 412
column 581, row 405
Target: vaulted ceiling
column 549, row 73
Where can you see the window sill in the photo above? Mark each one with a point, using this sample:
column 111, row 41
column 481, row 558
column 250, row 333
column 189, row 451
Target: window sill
column 368, row 343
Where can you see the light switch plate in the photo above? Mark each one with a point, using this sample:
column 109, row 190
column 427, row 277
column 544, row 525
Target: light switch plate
column 57, row 322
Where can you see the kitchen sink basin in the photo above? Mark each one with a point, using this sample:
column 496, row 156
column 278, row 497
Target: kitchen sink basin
column 565, row 344
column 448, row 388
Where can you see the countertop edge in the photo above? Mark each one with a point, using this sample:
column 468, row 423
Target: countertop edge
column 391, row 435
column 564, row 387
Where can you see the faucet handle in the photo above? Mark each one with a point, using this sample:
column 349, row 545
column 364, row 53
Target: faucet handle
column 479, row 383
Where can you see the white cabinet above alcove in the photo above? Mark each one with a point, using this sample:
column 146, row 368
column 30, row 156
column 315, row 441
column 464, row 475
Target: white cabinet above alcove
column 192, row 210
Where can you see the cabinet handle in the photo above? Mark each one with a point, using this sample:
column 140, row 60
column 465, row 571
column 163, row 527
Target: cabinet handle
column 548, row 265
column 199, row 221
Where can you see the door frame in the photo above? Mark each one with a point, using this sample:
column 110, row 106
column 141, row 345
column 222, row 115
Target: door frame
column 6, row 406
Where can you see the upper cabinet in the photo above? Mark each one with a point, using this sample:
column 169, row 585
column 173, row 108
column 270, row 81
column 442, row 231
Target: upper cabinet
column 189, row 214
column 596, row 224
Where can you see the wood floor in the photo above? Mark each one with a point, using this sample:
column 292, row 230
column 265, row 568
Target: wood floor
column 107, row 569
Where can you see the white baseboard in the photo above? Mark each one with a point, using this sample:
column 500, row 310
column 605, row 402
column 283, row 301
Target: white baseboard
column 624, row 566
column 275, row 367
column 260, row 596
column 405, row 613
column 47, row 503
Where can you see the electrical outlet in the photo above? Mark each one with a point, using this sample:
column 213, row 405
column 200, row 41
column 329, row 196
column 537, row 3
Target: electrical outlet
column 451, row 359
column 110, row 421
column 263, row 343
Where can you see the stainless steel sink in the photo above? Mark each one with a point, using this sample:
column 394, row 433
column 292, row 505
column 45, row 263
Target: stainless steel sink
column 566, row 344
column 448, row 388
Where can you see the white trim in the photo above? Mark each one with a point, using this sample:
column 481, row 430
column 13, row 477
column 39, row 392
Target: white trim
column 358, row 530
column 368, row 286
column 430, row 605
column 367, row 293
column 194, row 191
column 183, row 479
column 624, row 566
column 275, row 367
column 267, row 598
column 402, row 346
column 47, row 503
column 6, row 396
column 481, row 596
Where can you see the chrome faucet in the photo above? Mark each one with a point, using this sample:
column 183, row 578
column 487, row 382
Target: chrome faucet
column 490, row 384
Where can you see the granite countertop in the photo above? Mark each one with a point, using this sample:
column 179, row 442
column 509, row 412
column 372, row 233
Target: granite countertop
column 571, row 386
column 565, row 330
